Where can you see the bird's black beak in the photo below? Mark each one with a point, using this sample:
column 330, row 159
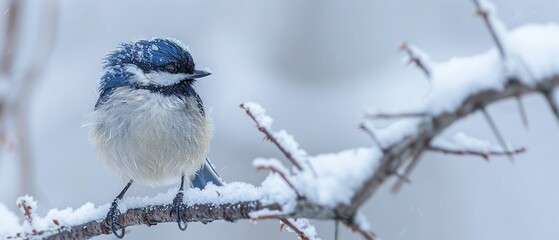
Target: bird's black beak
column 199, row 74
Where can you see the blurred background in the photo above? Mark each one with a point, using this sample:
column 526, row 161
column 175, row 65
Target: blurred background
column 317, row 66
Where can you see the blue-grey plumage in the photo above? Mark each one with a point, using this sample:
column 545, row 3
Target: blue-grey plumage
column 206, row 175
column 149, row 124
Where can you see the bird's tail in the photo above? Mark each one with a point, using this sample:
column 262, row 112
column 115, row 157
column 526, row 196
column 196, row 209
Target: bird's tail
column 205, row 175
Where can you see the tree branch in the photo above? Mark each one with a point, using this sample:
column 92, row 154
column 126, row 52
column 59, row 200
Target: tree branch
column 484, row 155
column 205, row 213
column 397, row 154
column 391, row 161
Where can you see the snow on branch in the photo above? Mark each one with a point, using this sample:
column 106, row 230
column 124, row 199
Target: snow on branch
column 283, row 141
column 334, row 186
column 496, row 27
column 463, row 86
column 417, row 57
column 462, row 144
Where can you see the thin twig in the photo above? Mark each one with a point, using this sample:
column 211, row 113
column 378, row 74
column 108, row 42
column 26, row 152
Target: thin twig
column 395, row 115
column 551, row 102
column 371, row 134
column 293, row 227
column 409, row 169
column 271, row 137
column 485, row 15
column 430, row 128
column 368, row 235
column 10, row 37
column 522, row 111
column 416, row 58
column 484, row 155
column 496, row 132
column 336, row 229
column 401, row 177
column 282, row 175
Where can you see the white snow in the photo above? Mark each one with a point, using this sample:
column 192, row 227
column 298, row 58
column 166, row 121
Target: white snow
column 498, row 26
column 233, row 192
column 455, row 80
column 289, row 144
column 178, row 42
column 271, row 163
column 534, row 51
column 420, row 55
column 463, row 142
column 10, row 223
column 361, row 222
column 259, row 114
column 284, row 139
column 535, row 46
column 304, row 226
column 538, row 48
column 332, row 178
column 396, row 131
column 338, row 175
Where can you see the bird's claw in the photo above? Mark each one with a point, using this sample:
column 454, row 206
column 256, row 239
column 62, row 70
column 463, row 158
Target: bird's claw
column 177, row 202
column 112, row 220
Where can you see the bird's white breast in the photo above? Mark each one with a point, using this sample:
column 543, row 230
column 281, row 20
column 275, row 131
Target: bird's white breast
column 151, row 138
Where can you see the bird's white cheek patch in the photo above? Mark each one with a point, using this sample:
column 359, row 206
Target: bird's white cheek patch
column 158, row 78
column 165, row 78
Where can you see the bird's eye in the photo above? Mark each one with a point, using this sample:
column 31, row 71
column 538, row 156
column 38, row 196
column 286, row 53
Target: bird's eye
column 172, row 68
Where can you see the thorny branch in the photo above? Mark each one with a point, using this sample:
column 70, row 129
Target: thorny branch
column 282, row 175
column 397, row 154
column 204, row 213
column 417, row 57
column 269, row 136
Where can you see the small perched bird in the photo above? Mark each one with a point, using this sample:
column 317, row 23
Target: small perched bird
column 149, row 125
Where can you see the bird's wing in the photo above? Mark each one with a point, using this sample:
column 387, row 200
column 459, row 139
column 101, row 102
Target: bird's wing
column 200, row 105
column 205, row 175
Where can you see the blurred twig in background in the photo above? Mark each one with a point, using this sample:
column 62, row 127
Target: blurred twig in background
column 19, row 76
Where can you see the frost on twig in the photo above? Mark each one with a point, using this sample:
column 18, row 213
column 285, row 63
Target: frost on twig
column 463, row 86
column 369, row 130
column 417, row 57
column 462, row 144
column 375, row 116
column 497, row 29
column 31, row 228
column 283, row 141
column 321, row 176
column 275, row 166
column 302, row 227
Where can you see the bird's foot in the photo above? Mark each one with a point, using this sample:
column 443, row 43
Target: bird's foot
column 112, row 220
column 177, row 202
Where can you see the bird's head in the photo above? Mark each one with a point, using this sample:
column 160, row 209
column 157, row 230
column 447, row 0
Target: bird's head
column 155, row 63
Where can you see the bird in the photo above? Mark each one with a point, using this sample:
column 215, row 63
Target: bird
column 149, row 125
